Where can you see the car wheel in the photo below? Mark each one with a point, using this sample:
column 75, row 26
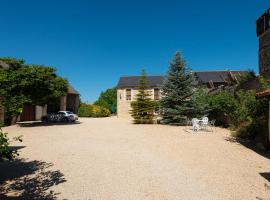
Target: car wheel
column 65, row 120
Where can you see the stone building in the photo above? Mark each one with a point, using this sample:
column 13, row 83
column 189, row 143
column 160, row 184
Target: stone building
column 36, row 112
column 263, row 33
column 127, row 90
column 126, row 87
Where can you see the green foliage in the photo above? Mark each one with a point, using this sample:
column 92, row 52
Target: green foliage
column 98, row 111
column 108, row 99
column 84, row 110
column 87, row 110
column 177, row 91
column 143, row 107
column 22, row 84
column 246, row 116
column 222, row 105
column 5, row 152
column 200, row 103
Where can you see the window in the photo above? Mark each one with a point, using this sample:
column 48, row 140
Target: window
column 156, row 94
column 128, row 94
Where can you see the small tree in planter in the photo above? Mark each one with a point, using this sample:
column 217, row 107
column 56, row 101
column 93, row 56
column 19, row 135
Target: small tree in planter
column 143, row 107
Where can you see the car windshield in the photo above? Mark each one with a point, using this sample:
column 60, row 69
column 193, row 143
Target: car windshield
column 68, row 112
column 61, row 113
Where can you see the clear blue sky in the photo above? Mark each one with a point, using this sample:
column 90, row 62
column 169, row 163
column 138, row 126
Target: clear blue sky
column 93, row 43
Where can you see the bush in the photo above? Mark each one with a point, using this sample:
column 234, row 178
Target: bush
column 5, row 152
column 98, row 111
column 84, row 111
column 246, row 116
column 222, row 105
column 87, row 110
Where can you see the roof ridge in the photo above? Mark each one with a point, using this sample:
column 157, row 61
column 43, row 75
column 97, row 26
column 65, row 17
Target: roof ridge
column 140, row 76
column 222, row 70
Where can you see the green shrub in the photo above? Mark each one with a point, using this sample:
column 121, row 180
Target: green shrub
column 98, row 111
column 246, row 116
column 87, row 110
column 222, row 107
column 84, row 111
column 5, row 152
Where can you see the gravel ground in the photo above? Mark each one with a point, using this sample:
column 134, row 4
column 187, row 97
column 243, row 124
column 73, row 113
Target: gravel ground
column 112, row 159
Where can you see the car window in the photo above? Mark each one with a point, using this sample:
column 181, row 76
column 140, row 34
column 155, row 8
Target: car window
column 69, row 112
column 61, row 113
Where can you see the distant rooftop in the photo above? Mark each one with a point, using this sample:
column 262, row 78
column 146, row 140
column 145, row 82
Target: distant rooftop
column 217, row 76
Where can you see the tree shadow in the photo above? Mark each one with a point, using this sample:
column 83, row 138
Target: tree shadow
column 265, row 175
column 27, row 180
column 248, row 144
column 37, row 124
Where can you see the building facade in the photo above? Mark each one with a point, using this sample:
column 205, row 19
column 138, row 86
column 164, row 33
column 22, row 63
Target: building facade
column 263, row 33
column 127, row 90
column 127, row 86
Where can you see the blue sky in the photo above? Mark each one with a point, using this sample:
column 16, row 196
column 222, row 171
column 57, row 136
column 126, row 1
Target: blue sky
column 93, row 43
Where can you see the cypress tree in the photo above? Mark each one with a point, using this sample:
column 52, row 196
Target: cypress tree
column 177, row 91
column 143, row 107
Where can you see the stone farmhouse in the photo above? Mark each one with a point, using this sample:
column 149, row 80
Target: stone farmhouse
column 127, row 86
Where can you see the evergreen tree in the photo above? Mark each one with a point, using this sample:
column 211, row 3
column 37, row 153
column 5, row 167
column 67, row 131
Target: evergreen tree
column 143, row 107
column 177, row 90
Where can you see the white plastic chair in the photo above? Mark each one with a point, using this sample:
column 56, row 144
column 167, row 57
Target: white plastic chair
column 195, row 124
column 205, row 122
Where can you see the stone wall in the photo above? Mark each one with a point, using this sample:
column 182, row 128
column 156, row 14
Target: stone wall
column 123, row 105
column 264, row 54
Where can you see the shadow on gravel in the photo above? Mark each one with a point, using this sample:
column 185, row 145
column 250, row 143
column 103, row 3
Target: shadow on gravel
column 248, row 144
column 37, row 124
column 27, row 180
column 266, row 175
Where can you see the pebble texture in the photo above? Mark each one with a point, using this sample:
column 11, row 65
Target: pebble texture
column 112, row 159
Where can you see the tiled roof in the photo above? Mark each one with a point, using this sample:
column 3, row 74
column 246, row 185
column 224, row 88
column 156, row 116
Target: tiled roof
column 132, row 81
column 216, row 76
column 202, row 76
column 71, row 90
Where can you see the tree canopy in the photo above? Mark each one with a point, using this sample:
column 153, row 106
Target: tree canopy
column 108, row 99
column 177, row 91
column 28, row 84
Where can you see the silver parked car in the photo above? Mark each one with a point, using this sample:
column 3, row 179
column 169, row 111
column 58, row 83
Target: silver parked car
column 62, row 116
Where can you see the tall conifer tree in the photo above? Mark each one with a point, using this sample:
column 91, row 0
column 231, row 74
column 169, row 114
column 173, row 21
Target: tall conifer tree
column 177, row 91
column 143, row 107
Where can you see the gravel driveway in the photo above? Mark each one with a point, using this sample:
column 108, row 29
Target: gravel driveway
column 112, row 159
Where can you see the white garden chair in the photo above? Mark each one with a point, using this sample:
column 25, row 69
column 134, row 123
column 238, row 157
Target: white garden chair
column 195, row 124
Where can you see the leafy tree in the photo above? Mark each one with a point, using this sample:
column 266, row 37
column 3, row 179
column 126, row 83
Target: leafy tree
column 29, row 84
column 177, row 91
column 88, row 110
column 143, row 107
column 108, row 99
